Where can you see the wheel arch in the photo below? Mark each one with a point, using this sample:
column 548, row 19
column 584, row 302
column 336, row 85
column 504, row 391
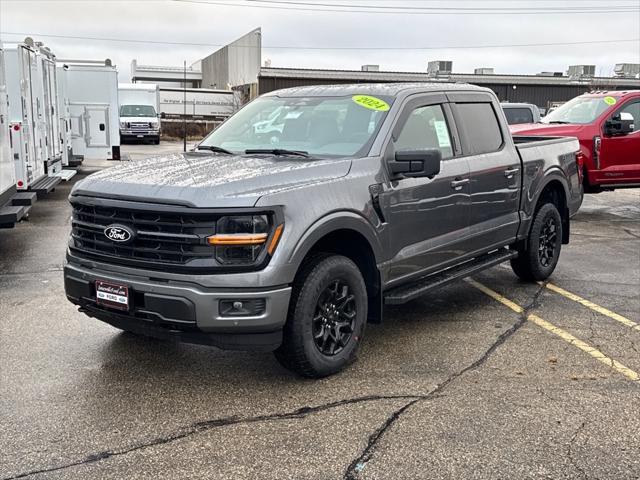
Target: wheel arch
column 350, row 235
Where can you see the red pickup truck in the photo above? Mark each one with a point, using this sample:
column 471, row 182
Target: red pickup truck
column 607, row 124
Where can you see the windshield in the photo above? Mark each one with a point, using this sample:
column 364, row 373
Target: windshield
column 517, row 115
column 581, row 110
column 137, row 111
column 319, row 126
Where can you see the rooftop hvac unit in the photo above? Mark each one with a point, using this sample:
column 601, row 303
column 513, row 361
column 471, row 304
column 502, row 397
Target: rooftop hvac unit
column 550, row 74
column 627, row 70
column 440, row 67
column 578, row 71
column 483, row 71
column 370, row 68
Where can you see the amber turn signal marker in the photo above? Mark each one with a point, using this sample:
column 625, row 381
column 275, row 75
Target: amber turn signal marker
column 238, row 239
column 276, row 238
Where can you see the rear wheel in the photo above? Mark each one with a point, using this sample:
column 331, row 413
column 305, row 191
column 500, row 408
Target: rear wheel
column 326, row 319
column 539, row 259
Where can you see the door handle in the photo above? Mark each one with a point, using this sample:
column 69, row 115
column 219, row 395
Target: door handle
column 458, row 183
column 509, row 173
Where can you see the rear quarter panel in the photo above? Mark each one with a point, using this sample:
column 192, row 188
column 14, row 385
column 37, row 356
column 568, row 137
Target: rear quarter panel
column 545, row 161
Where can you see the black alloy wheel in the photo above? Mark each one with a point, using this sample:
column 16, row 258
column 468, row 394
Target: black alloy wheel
column 334, row 317
column 548, row 242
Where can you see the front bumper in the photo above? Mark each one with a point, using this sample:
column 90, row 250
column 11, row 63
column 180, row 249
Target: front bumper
column 183, row 311
column 139, row 133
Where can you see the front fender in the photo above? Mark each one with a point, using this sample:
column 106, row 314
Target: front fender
column 340, row 220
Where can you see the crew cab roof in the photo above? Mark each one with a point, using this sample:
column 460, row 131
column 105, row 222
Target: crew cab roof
column 381, row 89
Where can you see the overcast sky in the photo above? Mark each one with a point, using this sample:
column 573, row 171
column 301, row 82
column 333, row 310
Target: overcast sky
column 167, row 20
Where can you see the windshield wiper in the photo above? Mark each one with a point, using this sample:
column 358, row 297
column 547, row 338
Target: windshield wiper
column 213, row 148
column 277, row 151
column 558, row 122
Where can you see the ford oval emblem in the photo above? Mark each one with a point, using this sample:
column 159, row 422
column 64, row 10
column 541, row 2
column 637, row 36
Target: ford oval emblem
column 118, row 233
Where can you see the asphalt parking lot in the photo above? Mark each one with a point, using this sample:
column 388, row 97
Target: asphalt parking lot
column 489, row 378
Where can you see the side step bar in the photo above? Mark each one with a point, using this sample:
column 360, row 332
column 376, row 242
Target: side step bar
column 406, row 293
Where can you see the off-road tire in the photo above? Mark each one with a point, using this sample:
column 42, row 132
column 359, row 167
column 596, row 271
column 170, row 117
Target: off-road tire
column 530, row 265
column 299, row 352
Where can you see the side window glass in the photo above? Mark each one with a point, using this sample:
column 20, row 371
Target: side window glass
column 426, row 128
column 634, row 109
column 480, row 127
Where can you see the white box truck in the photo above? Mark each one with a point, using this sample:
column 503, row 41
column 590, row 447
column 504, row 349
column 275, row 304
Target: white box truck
column 27, row 118
column 92, row 87
column 139, row 111
column 14, row 205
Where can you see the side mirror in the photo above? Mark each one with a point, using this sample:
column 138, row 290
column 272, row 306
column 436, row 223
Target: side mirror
column 416, row 163
column 621, row 124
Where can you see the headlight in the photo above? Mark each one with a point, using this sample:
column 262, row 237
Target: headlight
column 154, row 125
column 239, row 240
column 123, row 124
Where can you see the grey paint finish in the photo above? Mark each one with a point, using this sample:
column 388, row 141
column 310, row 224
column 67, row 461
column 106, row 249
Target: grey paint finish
column 422, row 225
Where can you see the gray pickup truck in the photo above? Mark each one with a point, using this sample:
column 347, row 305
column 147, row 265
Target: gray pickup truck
column 291, row 238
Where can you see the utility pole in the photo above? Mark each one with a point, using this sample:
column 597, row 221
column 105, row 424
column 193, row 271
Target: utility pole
column 184, row 117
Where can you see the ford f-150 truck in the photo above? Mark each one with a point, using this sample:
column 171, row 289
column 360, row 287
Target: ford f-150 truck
column 292, row 240
column 607, row 124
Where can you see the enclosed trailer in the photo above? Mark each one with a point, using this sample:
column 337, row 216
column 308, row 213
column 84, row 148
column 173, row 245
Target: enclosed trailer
column 139, row 111
column 13, row 205
column 92, row 89
column 27, row 118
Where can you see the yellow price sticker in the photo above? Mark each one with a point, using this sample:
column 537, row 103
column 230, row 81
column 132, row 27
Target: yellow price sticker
column 372, row 103
column 610, row 100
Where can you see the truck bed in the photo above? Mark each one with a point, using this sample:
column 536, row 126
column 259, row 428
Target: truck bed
column 538, row 151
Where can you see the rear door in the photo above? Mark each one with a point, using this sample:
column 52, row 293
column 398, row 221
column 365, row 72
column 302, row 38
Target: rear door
column 620, row 155
column 427, row 217
column 494, row 170
column 97, row 126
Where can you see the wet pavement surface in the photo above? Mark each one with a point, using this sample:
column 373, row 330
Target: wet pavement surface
column 457, row 384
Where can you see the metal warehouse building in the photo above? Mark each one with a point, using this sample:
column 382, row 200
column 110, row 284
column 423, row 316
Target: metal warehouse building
column 540, row 90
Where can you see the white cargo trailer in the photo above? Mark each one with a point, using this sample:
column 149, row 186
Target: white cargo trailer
column 139, row 111
column 92, row 87
column 202, row 103
column 13, row 205
column 27, row 118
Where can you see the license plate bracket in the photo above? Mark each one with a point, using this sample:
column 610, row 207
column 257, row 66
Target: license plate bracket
column 112, row 295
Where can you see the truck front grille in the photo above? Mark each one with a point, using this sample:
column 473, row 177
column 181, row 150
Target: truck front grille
column 161, row 239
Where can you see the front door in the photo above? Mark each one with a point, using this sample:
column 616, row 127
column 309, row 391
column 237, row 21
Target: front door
column 427, row 217
column 620, row 155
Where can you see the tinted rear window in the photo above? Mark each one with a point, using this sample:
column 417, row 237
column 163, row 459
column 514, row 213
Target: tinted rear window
column 518, row 115
column 480, row 127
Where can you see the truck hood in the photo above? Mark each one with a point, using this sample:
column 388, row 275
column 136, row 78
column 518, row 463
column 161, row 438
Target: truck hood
column 554, row 130
column 208, row 180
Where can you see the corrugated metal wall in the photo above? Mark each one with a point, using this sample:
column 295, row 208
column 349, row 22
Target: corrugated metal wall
column 541, row 95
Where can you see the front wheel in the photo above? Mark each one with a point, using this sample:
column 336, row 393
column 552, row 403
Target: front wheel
column 538, row 261
column 326, row 320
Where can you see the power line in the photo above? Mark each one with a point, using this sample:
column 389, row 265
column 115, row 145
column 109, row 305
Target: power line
column 462, row 11
column 289, row 47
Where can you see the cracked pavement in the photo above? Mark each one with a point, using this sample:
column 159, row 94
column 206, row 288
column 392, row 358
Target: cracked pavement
column 454, row 385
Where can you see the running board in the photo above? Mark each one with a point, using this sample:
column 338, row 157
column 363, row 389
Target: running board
column 411, row 291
